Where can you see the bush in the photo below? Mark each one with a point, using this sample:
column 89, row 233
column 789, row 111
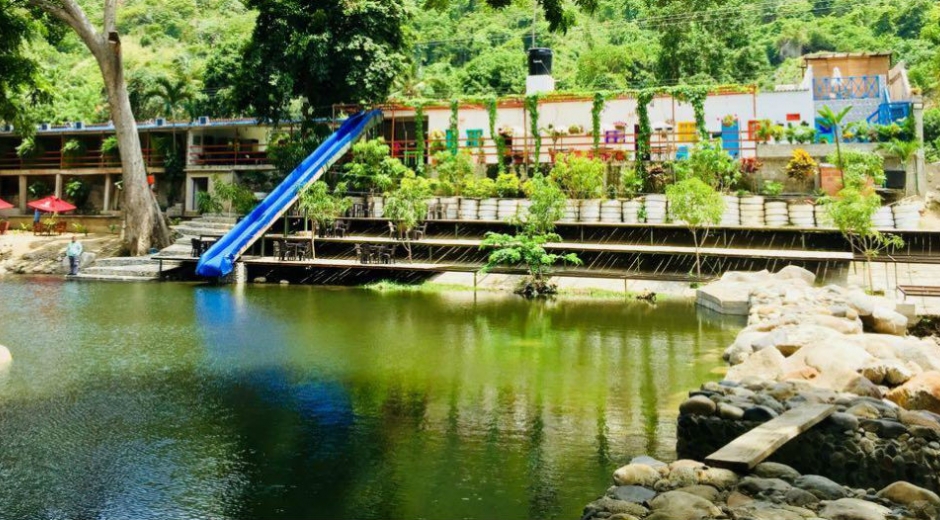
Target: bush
column 547, row 205
column 528, row 250
column 858, row 167
column 372, row 169
column 508, row 185
column 478, row 188
column 238, row 198
column 699, row 205
column 712, row 164
column 801, row 166
column 579, row 177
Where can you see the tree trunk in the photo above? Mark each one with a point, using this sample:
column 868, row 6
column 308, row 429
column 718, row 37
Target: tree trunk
column 698, row 263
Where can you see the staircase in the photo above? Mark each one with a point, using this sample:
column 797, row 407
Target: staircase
column 147, row 268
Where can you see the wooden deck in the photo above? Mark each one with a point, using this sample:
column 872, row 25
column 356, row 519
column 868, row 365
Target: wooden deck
column 750, row 449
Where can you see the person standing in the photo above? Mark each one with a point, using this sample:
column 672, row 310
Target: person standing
column 74, row 252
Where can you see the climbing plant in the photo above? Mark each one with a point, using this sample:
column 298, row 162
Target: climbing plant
column 419, row 136
column 643, row 99
column 491, row 110
column 532, row 106
column 454, row 128
column 596, row 108
column 694, row 95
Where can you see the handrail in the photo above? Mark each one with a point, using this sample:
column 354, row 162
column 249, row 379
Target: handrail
column 89, row 159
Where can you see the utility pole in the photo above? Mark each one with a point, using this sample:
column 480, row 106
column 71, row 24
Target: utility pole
column 535, row 19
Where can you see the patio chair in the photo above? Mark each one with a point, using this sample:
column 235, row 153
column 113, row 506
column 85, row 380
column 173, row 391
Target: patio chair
column 278, row 250
column 387, row 254
column 197, row 247
column 339, row 229
column 302, row 250
column 38, row 228
column 61, row 226
column 419, row 232
column 392, row 230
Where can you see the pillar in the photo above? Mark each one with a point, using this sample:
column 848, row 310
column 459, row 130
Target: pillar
column 107, row 193
column 23, row 193
column 58, row 185
column 919, row 187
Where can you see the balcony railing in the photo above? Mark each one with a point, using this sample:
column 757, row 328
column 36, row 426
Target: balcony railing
column 89, row 159
column 851, row 87
column 228, row 155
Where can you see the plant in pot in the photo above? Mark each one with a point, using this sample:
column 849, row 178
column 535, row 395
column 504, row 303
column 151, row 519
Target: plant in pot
column 729, row 121
column 109, row 149
column 699, row 206
column 71, row 151
column 860, row 168
column 581, row 179
column 576, row 129
column 801, row 168
column 712, row 164
column 904, row 151
column 767, row 130
column 438, row 140
column 407, row 206
column 508, row 187
column 630, row 186
column 372, row 169
column 78, row 191
column 323, row 206
column 29, row 149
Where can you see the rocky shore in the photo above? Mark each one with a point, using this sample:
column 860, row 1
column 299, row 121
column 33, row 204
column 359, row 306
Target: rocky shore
column 876, row 458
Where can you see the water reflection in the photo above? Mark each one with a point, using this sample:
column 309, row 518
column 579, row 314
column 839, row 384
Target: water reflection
column 271, row 402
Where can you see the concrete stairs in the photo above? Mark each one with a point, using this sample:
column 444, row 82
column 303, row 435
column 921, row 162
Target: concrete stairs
column 186, row 231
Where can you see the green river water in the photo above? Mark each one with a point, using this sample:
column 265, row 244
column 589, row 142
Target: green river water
column 185, row 401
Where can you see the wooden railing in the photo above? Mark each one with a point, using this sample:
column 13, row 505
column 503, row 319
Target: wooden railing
column 228, row 155
column 89, row 159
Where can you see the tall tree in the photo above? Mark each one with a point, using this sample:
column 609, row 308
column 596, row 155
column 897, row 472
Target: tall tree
column 21, row 85
column 333, row 51
column 145, row 225
column 558, row 13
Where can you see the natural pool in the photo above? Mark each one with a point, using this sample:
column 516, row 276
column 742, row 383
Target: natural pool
column 183, row 401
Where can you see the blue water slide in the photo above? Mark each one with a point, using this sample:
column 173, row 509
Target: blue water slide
column 219, row 260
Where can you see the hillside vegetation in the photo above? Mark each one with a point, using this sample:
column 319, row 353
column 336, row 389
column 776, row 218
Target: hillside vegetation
column 470, row 48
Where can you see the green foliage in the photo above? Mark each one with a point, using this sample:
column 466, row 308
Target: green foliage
column 372, row 169
column 109, row 146
column 408, row 205
column 801, row 167
column 508, row 185
column 235, row 196
column 287, row 150
column 597, row 108
column 498, row 139
column 454, row 170
column 802, row 134
column 579, row 177
column 833, row 120
column 903, row 150
column 80, row 229
column 207, row 204
column 644, row 132
column 767, row 130
column 330, row 52
column 21, row 82
column 38, row 190
column 322, row 205
column 547, row 205
column 695, row 95
column 532, row 107
column 699, row 206
column 29, row 148
column 78, row 192
column 420, row 137
column 478, row 187
column 630, row 184
column 860, row 166
column 528, row 251
column 73, row 148
column 712, row 164
column 772, row 188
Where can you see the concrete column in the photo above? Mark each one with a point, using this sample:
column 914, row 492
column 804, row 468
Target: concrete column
column 920, row 165
column 107, row 193
column 23, row 193
column 58, row 185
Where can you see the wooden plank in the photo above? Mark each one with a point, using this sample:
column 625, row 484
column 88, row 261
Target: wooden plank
column 748, row 450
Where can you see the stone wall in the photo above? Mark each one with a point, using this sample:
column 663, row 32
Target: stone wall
column 867, row 443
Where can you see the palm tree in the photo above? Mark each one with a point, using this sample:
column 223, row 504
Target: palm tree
column 834, row 121
column 904, row 151
column 174, row 96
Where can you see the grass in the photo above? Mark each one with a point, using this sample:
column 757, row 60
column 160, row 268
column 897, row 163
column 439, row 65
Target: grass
column 432, row 287
column 426, row 287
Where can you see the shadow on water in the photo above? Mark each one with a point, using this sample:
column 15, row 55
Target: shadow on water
column 267, row 402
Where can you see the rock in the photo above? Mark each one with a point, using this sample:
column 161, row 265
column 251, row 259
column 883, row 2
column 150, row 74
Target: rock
column 648, row 461
column 889, row 371
column 730, row 412
column 759, row 510
column 750, row 277
column 677, row 505
column 838, row 361
column 707, row 492
column 921, row 392
column 686, row 463
column 636, row 475
column 725, row 297
column 759, row 414
column 284, row 282
column 635, row 494
column 844, row 421
column 887, row 321
column 918, row 418
column 864, row 410
column 764, row 365
column 5, row 357
column 763, row 487
column 260, row 279
column 622, row 516
column 884, row 428
column 853, row 509
column 822, row 487
column 682, row 477
column 860, row 385
column 803, row 374
column 718, row 478
column 906, row 493
column 615, row 507
column 792, row 272
column 698, row 405
column 776, row 470
column 840, row 325
column 861, row 302
column 800, row 498
column 736, row 499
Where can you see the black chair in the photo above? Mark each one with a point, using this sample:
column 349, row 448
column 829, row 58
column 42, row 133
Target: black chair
column 339, row 229
column 387, row 254
column 280, row 250
column 302, row 250
column 197, row 247
column 419, row 232
column 364, row 253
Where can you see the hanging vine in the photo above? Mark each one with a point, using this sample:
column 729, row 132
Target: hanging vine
column 596, row 108
column 491, row 110
column 532, row 106
column 419, row 136
column 643, row 150
column 695, row 95
column 454, row 129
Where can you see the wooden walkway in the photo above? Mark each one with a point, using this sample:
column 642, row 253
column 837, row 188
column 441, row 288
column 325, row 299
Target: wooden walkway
column 750, row 449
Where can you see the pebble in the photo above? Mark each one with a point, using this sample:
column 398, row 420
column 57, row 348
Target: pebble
column 698, row 405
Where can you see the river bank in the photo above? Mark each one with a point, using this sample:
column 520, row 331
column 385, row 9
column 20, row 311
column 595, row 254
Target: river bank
column 25, row 253
column 803, row 344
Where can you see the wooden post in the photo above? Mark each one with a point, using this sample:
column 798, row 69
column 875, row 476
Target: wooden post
column 58, row 185
column 23, row 193
column 107, row 193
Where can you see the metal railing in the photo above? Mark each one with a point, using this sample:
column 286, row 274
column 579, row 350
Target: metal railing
column 851, row 87
column 89, row 159
column 228, row 155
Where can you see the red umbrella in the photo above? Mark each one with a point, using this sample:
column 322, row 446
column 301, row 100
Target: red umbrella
column 51, row 204
column 5, row 205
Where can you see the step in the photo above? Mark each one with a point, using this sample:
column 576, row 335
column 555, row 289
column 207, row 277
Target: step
column 120, row 261
column 141, row 271
column 84, row 277
column 204, row 225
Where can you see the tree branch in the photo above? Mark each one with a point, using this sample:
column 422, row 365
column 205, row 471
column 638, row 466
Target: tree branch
column 110, row 17
column 72, row 14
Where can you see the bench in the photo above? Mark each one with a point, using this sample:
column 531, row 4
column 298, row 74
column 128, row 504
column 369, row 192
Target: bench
column 919, row 290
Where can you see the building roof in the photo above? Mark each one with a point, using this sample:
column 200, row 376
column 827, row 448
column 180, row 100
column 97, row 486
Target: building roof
column 149, row 125
column 834, row 55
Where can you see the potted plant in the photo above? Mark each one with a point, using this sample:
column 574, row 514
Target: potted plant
column 72, row 150
column 729, row 121
column 323, row 206
column 801, row 168
column 478, row 199
column 581, row 179
column 508, row 186
column 575, row 129
column 630, row 186
column 408, row 205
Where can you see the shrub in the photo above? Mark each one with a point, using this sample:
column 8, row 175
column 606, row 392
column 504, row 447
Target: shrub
column 372, row 169
column 712, row 164
column 858, row 167
column 547, row 205
column 700, row 206
column 478, row 187
column 801, row 166
column 527, row 250
column 508, row 185
column 579, row 177
column 772, row 188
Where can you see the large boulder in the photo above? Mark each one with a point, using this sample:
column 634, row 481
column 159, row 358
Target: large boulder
column 837, row 361
column 886, row 321
column 792, row 272
column 698, row 405
column 840, row 325
column 750, row 277
column 861, row 302
column 820, row 486
column 922, row 392
column 678, row 505
column 767, row 365
column 853, row 509
column 636, row 475
column 906, row 493
column 889, row 372
column 725, row 297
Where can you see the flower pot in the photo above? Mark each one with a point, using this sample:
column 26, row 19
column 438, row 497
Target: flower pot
column 571, row 211
column 655, row 208
column 590, row 210
column 776, row 213
column 823, row 219
column 612, row 211
column 883, row 218
column 468, row 209
column 450, row 207
column 507, row 208
column 830, row 179
column 907, row 216
column 378, row 207
column 522, row 208
column 752, row 211
column 631, row 211
column 732, row 214
column 801, row 214
column 487, row 209
column 895, row 179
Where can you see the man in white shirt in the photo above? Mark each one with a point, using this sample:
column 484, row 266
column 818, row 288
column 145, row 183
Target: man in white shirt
column 74, row 252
